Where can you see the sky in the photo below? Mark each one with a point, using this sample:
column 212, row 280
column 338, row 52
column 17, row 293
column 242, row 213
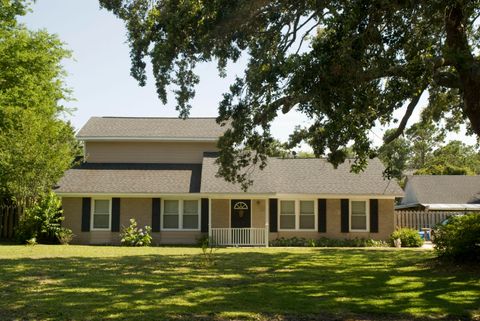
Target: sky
column 99, row 73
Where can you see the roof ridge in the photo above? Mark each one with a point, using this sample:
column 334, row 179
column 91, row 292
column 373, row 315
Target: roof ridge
column 154, row 117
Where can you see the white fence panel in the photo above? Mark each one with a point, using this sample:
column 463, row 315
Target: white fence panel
column 239, row 236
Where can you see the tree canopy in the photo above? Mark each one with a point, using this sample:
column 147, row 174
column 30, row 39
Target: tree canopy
column 347, row 65
column 455, row 158
column 36, row 144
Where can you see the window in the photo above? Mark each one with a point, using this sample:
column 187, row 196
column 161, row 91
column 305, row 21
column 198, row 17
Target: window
column 307, row 215
column 358, row 216
column 287, row 215
column 297, row 215
column 101, row 215
column 190, row 215
column 171, row 214
column 181, row 214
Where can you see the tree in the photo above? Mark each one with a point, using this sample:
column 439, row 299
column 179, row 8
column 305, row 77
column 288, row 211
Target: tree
column 455, row 158
column 345, row 64
column 394, row 155
column 36, row 145
column 424, row 138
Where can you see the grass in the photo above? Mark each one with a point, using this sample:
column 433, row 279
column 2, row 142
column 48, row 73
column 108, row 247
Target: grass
column 54, row 282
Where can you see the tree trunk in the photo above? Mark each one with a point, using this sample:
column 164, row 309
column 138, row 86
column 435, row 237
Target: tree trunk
column 459, row 52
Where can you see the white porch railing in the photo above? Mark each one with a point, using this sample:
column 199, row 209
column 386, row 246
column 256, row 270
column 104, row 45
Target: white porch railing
column 240, row 236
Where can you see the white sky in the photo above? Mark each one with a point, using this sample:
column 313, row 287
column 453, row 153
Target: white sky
column 99, row 73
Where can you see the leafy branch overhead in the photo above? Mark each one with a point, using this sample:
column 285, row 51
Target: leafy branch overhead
column 347, row 65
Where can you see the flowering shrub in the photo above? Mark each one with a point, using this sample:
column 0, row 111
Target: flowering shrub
column 134, row 236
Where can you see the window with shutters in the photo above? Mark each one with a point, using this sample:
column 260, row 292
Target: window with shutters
column 101, row 214
column 359, row 215
column 297, row 215
column 181, row 214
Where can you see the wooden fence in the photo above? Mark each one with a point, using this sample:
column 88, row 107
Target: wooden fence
column 420, row 219
column 9, row 215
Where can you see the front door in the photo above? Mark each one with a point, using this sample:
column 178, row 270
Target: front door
column 240, row 213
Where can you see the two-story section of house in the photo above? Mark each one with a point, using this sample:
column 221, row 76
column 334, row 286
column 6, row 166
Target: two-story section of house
column 162, row 173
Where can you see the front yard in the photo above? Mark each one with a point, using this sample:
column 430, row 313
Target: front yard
column 95, row 283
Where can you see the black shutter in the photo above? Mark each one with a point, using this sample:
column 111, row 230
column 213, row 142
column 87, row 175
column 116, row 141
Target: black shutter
column 273, row 206
column 322, row 215
column 155, row 215
column 374, row 216
column 115, row 214
column 344, row 216
column 204, row 217
column 86, row 208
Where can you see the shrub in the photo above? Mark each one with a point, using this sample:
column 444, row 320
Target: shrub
column 409, row 237
column 326, row 242
column 134, row 236
column 65, row 235
column 42, row 221
column 293, row 241
column 459, row 238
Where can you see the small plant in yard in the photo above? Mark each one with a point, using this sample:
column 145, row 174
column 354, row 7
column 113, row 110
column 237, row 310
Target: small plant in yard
column 65, row 235
column 208, row 251
column 459, row 238
column 134, row 236
column 408, row 237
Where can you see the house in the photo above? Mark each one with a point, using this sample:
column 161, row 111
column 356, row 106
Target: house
column 162, row 172
column 441, row 193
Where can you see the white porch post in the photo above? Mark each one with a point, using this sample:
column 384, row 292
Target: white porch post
column 267, row 219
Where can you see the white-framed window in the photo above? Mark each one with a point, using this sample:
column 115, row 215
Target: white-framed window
column 181, row 214
column 359, row 214
column 101, row 219
column 307, row 215
column 295, row 215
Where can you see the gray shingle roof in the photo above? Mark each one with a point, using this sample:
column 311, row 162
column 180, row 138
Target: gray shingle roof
column 131, row 178
column 444, row 189
column 305, row 176
column 151, row 128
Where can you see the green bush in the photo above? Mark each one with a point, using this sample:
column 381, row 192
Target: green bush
column 65, row 235
column 293, row 241
column 327, row 242
column 459, row 239
column 42, row 221
column 408, row 236
column 134, row 236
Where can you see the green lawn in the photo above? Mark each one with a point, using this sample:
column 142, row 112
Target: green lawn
column 94, row 283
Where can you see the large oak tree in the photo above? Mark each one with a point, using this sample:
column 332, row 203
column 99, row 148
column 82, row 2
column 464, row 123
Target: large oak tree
column 346, row 64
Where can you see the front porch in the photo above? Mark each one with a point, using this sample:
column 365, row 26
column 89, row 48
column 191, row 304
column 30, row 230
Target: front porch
column 239, row 222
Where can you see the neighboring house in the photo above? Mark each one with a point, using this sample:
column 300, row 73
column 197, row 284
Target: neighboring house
column 162, row 172
column 441, row 193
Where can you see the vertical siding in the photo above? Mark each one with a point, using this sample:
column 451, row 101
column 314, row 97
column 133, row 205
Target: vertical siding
column 72, row 213
column 147, row 152
column 258, row 213
column 138, row 208
column 220, row 213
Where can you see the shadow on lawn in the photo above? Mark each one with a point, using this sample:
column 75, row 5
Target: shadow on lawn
column 151, row 287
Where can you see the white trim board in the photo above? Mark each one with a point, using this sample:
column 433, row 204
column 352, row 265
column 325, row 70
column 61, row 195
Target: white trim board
column 227, row 196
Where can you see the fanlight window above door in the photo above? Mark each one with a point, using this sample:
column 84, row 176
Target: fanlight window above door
column 240, row 206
